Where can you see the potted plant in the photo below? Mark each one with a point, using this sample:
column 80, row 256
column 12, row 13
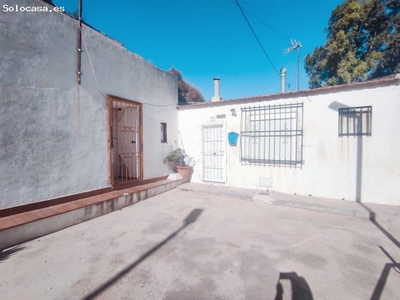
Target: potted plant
column 180, row 162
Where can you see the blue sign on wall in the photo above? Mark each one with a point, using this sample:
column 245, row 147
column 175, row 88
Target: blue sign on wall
column 232, row 138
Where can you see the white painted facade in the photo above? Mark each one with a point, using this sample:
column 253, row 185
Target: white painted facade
column 365, row 168
column 54, row 134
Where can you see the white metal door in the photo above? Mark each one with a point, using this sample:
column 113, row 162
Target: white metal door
column 214, row 152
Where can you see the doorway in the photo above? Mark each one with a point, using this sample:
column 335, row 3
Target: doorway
column 214, row 152
column 126, row 143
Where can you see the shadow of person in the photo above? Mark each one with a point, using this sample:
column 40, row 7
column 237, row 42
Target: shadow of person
column 300, row 288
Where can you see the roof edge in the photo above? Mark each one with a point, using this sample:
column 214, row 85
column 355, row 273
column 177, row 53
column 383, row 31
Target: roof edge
column 270, row 97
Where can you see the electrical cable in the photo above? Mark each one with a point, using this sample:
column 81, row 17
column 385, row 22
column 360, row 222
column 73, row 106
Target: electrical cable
column 261, row 21
column 91, row 63
column 256, row 37
column 97, row 83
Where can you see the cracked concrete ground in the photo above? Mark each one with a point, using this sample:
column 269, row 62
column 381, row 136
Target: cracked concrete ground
column 187, row 244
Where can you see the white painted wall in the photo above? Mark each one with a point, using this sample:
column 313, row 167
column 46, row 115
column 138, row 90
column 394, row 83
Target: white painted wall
column 54, row 133
column 330, row 163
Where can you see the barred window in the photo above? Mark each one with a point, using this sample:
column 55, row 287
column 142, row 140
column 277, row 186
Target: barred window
column 355, row 121
column 272, row 135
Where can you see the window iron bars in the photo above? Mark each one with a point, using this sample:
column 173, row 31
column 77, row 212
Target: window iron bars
column 355, row 121
column 272, row 135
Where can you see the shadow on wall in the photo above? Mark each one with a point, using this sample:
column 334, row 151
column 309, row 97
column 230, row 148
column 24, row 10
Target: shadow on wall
column 300, row 288
column 336, row 106
column 191, row 218
column 372, row 215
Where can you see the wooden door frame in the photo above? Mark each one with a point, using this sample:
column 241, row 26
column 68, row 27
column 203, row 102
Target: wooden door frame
column 110, row 100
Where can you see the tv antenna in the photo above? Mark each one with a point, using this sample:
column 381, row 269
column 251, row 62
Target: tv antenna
column 295, row 45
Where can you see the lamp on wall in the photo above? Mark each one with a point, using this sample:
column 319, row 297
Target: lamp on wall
column 233, row 111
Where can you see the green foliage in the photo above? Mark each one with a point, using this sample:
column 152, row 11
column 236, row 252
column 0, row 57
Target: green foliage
column 187, row 93
column 363, row 42
column 178, row 158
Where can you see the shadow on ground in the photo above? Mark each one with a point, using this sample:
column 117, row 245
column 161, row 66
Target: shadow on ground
column 380, row 285
column 300, row 288
column 191, row 218
column 7, row 253
column 372, row 218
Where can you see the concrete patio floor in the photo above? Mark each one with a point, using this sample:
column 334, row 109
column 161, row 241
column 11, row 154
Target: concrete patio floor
column 199, row 243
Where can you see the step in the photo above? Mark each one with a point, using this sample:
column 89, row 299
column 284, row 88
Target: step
column 22, row 227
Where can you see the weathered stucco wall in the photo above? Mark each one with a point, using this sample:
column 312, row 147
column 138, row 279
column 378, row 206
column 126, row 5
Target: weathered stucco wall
column 334, row 167
column 54, row 133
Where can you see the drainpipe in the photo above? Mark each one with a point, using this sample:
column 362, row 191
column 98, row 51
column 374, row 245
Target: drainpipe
column 283, row 80
column 79, row 49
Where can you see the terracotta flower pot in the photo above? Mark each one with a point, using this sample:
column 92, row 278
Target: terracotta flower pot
column 185, row 172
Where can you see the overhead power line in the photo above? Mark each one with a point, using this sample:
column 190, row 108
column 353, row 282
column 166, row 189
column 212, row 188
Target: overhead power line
column 256, row 37
column 261, row 21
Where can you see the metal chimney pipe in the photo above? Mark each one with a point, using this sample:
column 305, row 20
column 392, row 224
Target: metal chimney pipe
column 283, row 80
column 216, row 90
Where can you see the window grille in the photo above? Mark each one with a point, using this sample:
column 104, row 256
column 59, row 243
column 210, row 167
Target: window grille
column 355, row 121
column 272, row 135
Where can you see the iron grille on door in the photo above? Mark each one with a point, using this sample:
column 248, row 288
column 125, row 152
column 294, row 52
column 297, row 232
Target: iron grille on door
column 126, row 142
column 214, row 152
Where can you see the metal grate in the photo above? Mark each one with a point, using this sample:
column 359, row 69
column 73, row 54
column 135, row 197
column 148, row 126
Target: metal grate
column 214, row 149
column 355, row 121
column 126, row 142
column 272, row 135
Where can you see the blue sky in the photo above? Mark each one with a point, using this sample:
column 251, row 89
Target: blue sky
column 210, row 38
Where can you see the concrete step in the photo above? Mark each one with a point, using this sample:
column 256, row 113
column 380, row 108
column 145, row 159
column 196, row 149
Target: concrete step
column 25, row 226
column 389, row 214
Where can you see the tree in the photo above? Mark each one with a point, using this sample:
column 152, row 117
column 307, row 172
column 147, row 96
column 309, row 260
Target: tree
column 186, row 92
column 363, row 42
